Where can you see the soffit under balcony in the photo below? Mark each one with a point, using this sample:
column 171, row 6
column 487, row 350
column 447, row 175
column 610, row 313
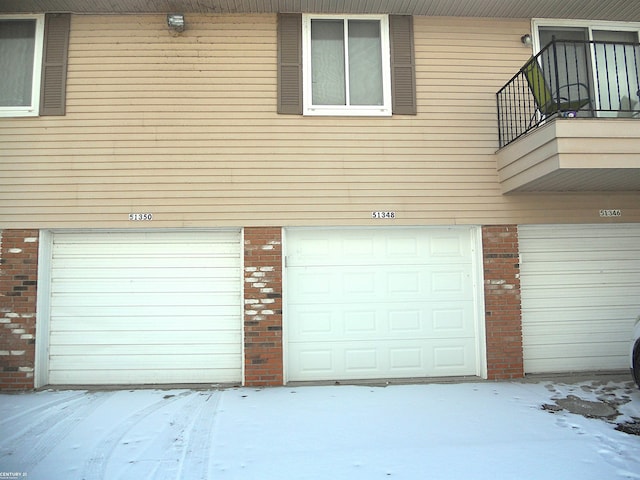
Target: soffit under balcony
column 615, row 10
column 573, row 155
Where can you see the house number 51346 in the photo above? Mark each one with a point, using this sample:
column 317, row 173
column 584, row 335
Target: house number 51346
column 611, row 213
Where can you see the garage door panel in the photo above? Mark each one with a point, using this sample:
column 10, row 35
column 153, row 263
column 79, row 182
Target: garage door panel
column 380, row 303
column 146, row 350
column 147, row 361
column 578, row 302
column 221, row 338
column 587, row 272
column 618, row 292
column 569, row 364
column 146, row 299
column 203, row 319
column 133, row 375
column 429, row 320
column 124, row 286
column 134, row 238
column 574, row 244
column 450, row 357
column 382, row 247
column 111, row 263
column 129, row 304
column 561, row 339
column 578, row 255
column 592, row 350
column 398, row 358
column 145, row 248
column 580, row 294
column 182, row 271
column 592, row 322
column 175, row 313
column 371, row 283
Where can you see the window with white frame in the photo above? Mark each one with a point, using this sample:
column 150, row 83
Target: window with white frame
column 346, row 65
column 21, row 39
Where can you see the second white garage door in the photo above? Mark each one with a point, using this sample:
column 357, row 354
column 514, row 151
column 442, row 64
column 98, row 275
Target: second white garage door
column 580, row 295
column 380, row 303
column 145, row 307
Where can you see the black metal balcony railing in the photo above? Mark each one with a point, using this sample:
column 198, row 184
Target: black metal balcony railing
column 571, row 79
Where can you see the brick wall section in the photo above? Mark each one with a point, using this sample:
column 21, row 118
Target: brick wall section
column 263, row 306
column 502, row 302
column 18, row 281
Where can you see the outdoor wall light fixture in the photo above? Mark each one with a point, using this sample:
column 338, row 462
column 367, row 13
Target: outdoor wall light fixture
column 526, row 39
column 175, row 21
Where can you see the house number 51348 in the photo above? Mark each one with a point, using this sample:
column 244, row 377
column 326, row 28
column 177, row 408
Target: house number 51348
column 380, row 215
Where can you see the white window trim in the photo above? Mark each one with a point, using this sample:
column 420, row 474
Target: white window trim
column 346, row 110
column 33, row 109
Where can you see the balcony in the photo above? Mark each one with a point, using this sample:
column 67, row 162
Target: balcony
column 569, row 120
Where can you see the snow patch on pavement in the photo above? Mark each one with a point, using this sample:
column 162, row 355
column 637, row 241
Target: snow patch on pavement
column 479, row 430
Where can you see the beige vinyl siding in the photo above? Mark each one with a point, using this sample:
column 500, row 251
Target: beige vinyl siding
column 185, row 127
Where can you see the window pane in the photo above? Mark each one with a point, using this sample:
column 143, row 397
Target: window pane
column 573, row 62
column 562, row 33
column 365, row 63
column 327, row 62
column 17, row 43
column 617, row 70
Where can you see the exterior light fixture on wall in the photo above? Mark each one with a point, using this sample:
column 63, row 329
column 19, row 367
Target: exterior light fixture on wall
column 526, row 39
column 175, row 21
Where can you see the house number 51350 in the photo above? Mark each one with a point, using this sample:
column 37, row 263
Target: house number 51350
column 141, row 217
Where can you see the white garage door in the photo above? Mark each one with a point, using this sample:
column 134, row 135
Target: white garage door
column 152, row 307
column 380, row 303
column 580, row 295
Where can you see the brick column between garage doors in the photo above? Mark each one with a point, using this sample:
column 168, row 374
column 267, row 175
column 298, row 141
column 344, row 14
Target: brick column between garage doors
column 263, row 306
column 18, row 282
column 503, row 315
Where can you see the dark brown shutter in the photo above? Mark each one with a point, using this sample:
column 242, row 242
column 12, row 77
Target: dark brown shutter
column 403, row 69
column 54, row 64
column 290, row 64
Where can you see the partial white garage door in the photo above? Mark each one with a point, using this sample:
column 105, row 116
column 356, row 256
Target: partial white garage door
column 580, row 295
column 153, row 307
column 380, row 303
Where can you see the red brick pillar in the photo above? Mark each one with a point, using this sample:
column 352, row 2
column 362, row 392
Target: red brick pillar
column 18, row 282
column 263, row 306
column 502, row 302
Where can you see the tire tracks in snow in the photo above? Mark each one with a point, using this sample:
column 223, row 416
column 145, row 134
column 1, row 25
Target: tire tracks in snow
column 183, row 443
column 194, row 463
column 180, row 449
column 39, row 409
column 95, row 466
column 31, row 444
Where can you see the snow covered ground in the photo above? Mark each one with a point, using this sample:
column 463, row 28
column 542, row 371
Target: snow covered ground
column 481, row 430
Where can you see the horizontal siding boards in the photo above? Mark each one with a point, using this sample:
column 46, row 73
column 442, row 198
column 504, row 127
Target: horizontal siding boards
column 145, row 307
column 580, row 295
column 185, row 127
